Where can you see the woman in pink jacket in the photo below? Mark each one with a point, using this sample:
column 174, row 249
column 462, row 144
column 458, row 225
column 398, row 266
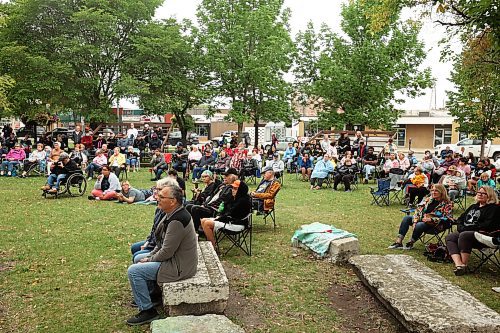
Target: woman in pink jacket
column 15, row 157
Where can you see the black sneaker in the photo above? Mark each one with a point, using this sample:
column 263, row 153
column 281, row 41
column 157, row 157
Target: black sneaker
column 143, row 317
column 408, row 246
column 91, row 197
column 396, row 246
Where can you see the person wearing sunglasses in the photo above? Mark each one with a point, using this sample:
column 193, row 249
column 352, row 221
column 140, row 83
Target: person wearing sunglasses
column 484, row 216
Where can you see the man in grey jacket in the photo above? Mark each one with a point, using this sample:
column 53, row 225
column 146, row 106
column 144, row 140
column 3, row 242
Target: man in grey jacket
column 174, row 258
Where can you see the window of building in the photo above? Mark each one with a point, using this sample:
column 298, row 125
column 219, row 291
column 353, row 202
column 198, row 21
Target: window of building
column 201, row 129
column 400, row 138
column 442, row 135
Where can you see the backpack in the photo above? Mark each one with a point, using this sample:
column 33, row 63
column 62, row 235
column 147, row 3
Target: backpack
column 437, row 253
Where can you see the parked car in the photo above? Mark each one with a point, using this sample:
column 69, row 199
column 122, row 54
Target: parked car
column 226, row 137
column 471, row 145
column 175, row 137
column 282, row 143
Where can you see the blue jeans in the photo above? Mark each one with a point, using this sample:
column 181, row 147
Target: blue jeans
column 180, row 166
column 131, row 161
column 136, row 250
column 93, row 167
column 55, row 178
column 142, row 279
column 197, row 172
column 368, row 169
column 418, row 230
column 139, row 255
column 10, row 165
column 158, row 172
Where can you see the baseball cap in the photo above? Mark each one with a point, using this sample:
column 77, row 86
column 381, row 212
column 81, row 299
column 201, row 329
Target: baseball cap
column 267, row 168
column 236, row 183
column 231, row 171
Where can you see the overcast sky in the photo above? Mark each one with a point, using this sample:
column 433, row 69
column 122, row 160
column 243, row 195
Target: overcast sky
column 328, row 11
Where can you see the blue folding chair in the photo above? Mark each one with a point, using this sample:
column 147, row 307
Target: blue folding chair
column 381, row 193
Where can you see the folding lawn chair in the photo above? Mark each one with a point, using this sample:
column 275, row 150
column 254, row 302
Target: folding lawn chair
column 381, row 194
column 488, row 254
column 240, row 239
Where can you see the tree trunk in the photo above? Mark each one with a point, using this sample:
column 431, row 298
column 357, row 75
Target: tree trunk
column 483, row 142
column 256, row 134
column 240, row 129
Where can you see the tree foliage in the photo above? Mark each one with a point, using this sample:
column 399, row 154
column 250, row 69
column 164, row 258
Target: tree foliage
column 69, row 55
column 248, row 50
column 167, row 68
column 476, row 101
column 362, row 71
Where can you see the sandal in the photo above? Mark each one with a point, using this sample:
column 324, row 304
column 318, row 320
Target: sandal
column 460, row 270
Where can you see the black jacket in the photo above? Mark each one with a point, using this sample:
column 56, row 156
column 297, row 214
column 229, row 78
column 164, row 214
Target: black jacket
column 238, row 207
column 475, row 218
column 68, row 168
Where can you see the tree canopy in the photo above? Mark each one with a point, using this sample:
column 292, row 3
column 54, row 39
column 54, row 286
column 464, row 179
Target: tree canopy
column 168, row 70
column 362, row 70
column 67, row 55
column 248, row 50
column 476, row 101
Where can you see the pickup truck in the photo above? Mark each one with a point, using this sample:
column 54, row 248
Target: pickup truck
column 472, row 145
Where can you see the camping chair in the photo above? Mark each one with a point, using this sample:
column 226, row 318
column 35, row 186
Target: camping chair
column 461, row 199
column 488, row 254
column 240, row 239
column 271, row 213
column 438, row 233
column 381, row 194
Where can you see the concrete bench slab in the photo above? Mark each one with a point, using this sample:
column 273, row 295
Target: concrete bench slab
column 206, row 292
column 195, row 324
column 339, row 250
column 421, row 299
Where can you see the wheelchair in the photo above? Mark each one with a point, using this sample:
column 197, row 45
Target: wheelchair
column 36, row 169
column 74, row 185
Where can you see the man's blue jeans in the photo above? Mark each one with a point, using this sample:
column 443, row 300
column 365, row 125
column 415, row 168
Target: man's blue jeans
column 142, row 279
column 93, row 167
column 158, row 172
column 418, row 230
column 55, row 178
column 10, row 165
column 368, row 170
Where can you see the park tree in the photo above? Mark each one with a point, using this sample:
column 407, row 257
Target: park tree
column 6, row 82
column 362, row 71
column 249, row 50
column 167, row 68
column 69, row 55
column 476, row 101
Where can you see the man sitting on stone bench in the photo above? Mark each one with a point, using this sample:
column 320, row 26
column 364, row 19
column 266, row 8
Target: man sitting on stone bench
column 174, row 258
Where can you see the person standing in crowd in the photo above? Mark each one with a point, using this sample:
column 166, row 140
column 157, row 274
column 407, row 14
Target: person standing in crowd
column 77, row 135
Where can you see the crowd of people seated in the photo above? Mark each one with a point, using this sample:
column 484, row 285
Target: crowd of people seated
column 431, row 184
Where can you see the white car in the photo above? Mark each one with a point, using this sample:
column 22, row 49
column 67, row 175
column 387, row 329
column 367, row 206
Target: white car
column 473, row 146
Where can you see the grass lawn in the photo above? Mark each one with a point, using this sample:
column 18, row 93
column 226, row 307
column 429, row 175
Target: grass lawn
column 63, row 262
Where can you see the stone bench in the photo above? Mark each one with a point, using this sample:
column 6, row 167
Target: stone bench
column 206, row 292
column 339, row 250
column 210, row 323
column 421, row 299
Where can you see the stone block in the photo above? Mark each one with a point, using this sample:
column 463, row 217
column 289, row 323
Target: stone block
column 339, row 250
column 421, row 299
column 206, row 292
column 195, row 324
